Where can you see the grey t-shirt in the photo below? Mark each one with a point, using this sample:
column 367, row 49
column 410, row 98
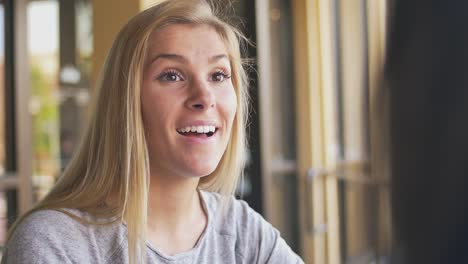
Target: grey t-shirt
column 243, row 236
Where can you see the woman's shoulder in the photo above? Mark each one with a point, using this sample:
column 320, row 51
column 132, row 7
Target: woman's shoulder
column 256, row 240
column 234, row 216
column 59, row 222
column 48, row 223
column 214, row 202
column 56, row 235
column 47, row 215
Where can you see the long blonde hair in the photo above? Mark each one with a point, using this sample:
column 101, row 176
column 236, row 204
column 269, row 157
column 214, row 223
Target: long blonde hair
column 112, row 158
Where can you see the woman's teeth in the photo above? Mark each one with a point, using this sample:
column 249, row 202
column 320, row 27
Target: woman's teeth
column 197, row 129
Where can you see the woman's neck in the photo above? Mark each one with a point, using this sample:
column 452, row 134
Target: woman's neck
column 172, row 201
column 175, row 213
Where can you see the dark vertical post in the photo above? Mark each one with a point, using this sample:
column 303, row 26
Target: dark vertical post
column 10, row 126
column 69, row 111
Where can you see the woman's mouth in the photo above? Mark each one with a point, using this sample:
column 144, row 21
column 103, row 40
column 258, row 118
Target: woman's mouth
column 197, row 131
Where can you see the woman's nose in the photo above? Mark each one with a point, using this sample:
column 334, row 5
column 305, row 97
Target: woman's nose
column 201, row 96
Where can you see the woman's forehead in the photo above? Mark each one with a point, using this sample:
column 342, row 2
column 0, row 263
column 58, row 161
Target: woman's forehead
column 187, row 41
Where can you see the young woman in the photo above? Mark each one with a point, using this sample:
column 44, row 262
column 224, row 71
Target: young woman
column 153, row 179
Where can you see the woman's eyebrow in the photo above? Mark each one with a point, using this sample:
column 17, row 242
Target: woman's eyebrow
column 218, row 57
column 182, row 59
column 169, row 56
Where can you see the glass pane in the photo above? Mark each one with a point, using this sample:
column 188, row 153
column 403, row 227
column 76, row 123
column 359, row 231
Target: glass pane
column 282, row 95
column 43, row 56
column 363, row 201
column 364, row 222
column 285, row 198
column 354, row 88
column 359, row 222
column 60, row 49
column 75, row 72
column 3, row 218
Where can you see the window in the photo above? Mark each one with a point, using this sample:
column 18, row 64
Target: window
column 41, row 117
column 60, row 49
column 345, row 209
column 277, row 116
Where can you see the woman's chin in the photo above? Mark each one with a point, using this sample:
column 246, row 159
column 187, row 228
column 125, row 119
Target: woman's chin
column 200, row 168
column 186, row 169
column 200, row 172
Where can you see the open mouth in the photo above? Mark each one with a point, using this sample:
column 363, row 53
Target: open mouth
column 198, row 131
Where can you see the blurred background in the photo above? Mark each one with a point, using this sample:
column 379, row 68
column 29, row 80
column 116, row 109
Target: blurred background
column 311, row 137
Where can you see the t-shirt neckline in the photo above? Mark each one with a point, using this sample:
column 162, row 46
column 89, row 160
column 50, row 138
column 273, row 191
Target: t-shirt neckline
column 198, row 245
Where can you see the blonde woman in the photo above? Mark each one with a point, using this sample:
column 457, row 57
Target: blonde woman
column 153, row 178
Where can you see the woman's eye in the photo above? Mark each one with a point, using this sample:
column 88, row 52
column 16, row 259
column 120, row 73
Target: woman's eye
column 220, row 76
column 170, row 76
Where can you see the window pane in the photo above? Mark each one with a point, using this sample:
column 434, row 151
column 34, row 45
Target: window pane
column 60, row 49
column 3, row 219
column 282, row 101
column 359, row 222
column 43, row 56
column 363, row 197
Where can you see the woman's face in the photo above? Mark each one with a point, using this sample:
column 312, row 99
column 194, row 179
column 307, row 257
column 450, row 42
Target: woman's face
column 188, row 100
